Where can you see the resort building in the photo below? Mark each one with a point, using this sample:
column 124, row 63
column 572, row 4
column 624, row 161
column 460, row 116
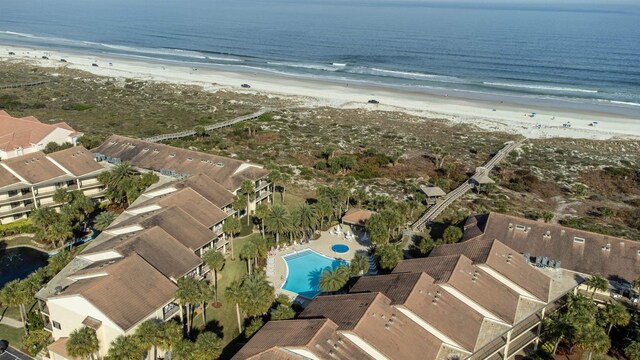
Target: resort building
column 129, row 273
column 22, row 136
column 580, row 251
column 484, row 303
column 29, row 181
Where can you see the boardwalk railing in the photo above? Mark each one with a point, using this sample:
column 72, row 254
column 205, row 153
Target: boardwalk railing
column 207, row 128
column 15, row 86
column 452, row 196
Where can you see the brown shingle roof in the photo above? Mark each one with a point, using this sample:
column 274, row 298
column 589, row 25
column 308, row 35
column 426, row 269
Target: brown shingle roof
column 473, row 282
column 610, row 256
column 175, row 221
column 418, row 293
column 157, row 247
column 60, row 347
column 195, row 204
column 502, row 259
column 7, row 178
column 77, row 160
column 228, row 172
column 355, row 216
column 35, row 168
column 439, row 268
column 131, row 291
column 371, row 317
column 206, row 187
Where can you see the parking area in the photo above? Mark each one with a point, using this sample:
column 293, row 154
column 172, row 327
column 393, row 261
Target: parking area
column 13, row 354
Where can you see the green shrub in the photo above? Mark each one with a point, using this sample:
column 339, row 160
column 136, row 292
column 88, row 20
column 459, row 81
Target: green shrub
column 17, row 227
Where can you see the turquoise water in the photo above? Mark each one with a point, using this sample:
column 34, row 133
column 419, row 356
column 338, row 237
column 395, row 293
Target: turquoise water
column 304, row 269
column 340, row 248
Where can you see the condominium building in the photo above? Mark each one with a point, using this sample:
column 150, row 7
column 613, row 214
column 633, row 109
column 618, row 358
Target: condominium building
column 128, row 274
column 29, row 181
column 22, row 136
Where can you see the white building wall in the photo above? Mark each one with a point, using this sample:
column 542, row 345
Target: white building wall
column 59, row 136
column 71, row 311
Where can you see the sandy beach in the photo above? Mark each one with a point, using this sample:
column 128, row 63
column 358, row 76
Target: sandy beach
column 496, row 116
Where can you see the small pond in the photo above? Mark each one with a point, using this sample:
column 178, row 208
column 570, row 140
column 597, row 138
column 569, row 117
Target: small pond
column 19, row 262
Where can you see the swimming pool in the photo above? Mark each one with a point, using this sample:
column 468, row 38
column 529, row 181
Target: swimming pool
column 340, row 248
column 304, row 269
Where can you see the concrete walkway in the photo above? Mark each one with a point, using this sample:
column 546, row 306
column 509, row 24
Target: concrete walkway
column 11, row 322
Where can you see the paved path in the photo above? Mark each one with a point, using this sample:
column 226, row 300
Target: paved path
column 10, row 322
column 447, row 200
column 207, row 128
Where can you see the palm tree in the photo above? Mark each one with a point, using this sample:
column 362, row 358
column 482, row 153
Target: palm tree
column 248, row 189
column 615, row 314
column 103, row 220
column 233, row 293
column 42, row 217
column 14, row 293
column 208, row 346
column 598, row 283
column 632, row 351
column 252, row 293
column 378, row 229
column 59, row 231
column 249, row 252
column 190, row 292
column 332, row 280
column 261, row 213
column 593, row 339
column 214, row 259
column 62, row 196
column 170, row 335
column 279, row 179
column 126, row 347
column 359, row 264
column 278, row 221
column 323, row 210
column 82, row 343
column 557, row 327
column 149, row 335
column 389, row 255
column 307, row 217
column 231, row 227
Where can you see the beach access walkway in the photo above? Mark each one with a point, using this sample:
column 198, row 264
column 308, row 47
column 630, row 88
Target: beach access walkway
column 208, row 128
column 479, row 177
column 15, row 86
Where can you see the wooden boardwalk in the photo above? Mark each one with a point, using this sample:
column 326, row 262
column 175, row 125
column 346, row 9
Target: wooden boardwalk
column 15, row 86
column 207, row 128
column 452, row 196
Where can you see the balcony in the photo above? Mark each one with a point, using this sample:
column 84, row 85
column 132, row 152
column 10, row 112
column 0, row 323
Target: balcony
column 169, row 311
column 16, row 210
column 260, row 184
column 18, row 197
column 261, row 195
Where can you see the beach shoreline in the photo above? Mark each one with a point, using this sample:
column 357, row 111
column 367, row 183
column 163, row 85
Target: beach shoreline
column 493, row 115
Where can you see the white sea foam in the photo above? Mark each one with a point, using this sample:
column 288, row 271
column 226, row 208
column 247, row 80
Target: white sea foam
column 624, row 103
column 405, row 75
column 540, row 87
column 18, row 34
column 303, row 65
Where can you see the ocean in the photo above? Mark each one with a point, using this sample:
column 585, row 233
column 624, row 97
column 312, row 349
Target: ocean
column 566, row 53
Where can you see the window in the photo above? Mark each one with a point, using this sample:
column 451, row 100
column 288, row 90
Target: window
column 12, row 193
column 71, row 182
column 579, row 240
column 56, row 325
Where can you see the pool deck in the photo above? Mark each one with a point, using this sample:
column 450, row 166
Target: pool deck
column 322, row 246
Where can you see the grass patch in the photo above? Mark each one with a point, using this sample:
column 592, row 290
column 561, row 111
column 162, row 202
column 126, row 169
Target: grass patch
column 12, row 335
column 291, row 202
column 17, row 241
column 223, row 320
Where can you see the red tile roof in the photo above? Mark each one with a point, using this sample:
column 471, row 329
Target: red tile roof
column 24, row 132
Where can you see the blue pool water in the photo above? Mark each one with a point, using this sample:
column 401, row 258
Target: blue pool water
column 340, row 248
column 304, row 269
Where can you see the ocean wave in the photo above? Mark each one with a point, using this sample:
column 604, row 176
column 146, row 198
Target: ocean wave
column 405, row 75
column 19, row 34
column 304, row 66
column 540, row 87
column 624, row 103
